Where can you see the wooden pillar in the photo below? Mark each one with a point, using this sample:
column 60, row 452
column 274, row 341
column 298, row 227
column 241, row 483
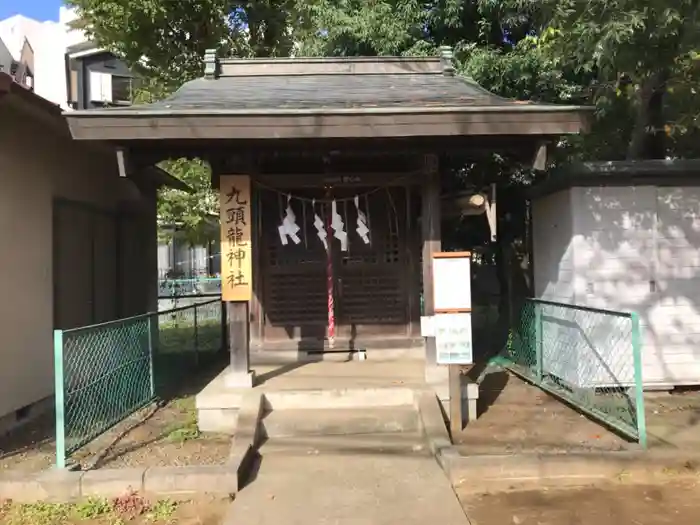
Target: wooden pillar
column 236, row 274
column 239, row 339
column 430, row 226
column 432, row 243
column 256, row 312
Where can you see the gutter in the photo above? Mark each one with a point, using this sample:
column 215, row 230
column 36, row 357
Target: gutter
column 398, row 110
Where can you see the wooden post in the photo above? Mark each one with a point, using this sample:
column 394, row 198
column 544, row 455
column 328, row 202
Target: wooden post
column 455, row 380
column 432, row 243
column 236, row 273
column 430, row 226
column 239, row 340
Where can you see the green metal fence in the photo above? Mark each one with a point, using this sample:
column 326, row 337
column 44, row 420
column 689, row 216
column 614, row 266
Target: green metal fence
column 105, row 372
column 201, row 286
column 586, row 356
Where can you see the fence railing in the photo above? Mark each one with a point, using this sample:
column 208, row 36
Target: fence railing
column 201, row 286
column 587, row 356
column 106, row 372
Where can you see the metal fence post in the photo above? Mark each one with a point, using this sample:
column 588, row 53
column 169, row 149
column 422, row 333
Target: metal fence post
column 59, row 386
column 538, row 341
column 638, row 382
column 196, row 336
column 151, row 356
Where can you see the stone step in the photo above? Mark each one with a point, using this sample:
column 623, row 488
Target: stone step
column 329, row 397
column 343, row 421
column 397, row 443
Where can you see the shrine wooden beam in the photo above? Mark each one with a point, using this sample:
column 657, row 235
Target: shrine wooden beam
column 243, row 151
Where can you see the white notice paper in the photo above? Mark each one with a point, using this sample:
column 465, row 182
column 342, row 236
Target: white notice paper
column 453, row 338
column 452, row 283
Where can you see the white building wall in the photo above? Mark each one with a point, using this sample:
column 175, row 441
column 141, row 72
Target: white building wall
column 632, row 249
column 673, row 333
column 49, row 40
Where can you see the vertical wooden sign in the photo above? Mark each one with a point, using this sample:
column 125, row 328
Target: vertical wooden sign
column 236, row 242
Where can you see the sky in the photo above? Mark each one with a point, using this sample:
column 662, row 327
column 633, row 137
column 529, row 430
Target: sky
column 37, row 9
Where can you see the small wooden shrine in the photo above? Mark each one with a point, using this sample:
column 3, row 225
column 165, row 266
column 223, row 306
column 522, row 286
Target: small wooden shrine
column 329, row 177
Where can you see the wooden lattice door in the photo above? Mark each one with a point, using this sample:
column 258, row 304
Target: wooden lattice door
column 372, row 283
column 369, row 281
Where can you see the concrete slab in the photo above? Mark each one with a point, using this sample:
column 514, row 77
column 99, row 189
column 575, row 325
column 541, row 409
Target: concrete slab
column 311, row 385
column 179, row 481
column 353, row 489
column 106, row 483
column 332, row 375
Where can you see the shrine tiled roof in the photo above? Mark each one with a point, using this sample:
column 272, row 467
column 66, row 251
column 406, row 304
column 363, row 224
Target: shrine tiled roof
column 344, row 83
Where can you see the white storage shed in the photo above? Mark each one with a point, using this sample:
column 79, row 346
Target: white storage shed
column 623, row 236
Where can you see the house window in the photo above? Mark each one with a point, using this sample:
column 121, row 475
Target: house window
column 122, row 89
column 111, row 89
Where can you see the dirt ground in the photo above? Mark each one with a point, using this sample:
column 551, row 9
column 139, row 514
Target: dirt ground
column 516, row 417
column 153, row 436
column 131, row 509
column 673, row 418
column 672, row 503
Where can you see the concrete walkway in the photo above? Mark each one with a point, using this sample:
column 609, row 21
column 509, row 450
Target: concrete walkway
column 319, row 488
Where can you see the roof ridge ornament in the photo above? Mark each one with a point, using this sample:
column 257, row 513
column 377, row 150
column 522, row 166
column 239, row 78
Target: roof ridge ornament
column 446, row 56
column 211, row 64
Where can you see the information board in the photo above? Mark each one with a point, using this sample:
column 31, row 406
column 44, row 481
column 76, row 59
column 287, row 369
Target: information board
column 452, row 282
column 453, row 338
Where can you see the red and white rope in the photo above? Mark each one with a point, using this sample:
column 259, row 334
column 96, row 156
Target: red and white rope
column 329, row 277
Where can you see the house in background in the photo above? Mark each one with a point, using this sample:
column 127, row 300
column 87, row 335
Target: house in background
column 7, row 61
column 76, row 74
column 19, row 66
column 96, row 78
column 84, row 242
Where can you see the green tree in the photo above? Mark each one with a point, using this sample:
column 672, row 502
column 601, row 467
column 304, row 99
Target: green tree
column 189, row 216
column 644, row 55
column 166, row 39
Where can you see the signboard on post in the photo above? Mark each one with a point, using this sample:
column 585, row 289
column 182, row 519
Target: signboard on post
column 236, row 242
column 453, row 338
column 452, row 282
column 452, row 323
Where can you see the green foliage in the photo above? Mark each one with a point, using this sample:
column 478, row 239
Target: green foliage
column 162, row 511
column 165, row 39
column 93, row 508
column 191, row 216
column 37, row 514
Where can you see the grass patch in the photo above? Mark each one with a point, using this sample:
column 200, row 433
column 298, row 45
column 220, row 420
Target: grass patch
column 162, row 511
column 130, row 508
column 36, row 514
column 186, row 429
column 93, row 508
